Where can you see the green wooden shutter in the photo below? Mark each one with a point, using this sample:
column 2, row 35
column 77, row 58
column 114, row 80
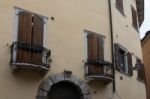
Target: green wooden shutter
column 37, row 37
column 117, row 57
column 130, row 70
column 24, row 35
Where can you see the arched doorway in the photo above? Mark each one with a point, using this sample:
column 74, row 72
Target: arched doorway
column 62, row 86
column 64, row 90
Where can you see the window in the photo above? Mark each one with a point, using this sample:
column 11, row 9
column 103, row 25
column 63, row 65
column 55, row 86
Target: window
column 134, row 18
column 95, row 47
column 119, row 5
column 30, row 34
column 95, row 52
column 123, row 60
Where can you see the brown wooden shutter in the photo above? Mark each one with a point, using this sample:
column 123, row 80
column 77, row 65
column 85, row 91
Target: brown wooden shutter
column 134, row 18
column 119, row 4
column 117, row 57
column 100, row 43
column 24, row 35
column 37, row 37
column 100, row 48
column 92, row 47
column 130, row 70
column 92, row 52
column 38, row 27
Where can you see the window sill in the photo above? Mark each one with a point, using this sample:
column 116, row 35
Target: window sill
column 122, row 72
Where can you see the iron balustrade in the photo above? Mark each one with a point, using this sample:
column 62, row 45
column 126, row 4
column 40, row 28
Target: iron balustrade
column 31, row 48
column 99, row 70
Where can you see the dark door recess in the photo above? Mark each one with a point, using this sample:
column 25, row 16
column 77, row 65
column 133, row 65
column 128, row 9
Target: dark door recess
column 63, row 90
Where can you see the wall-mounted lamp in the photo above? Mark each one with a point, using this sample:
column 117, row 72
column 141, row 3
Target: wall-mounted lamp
column 138, row 66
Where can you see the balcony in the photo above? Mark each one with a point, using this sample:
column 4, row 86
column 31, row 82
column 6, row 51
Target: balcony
column 29, row 56
column 98, row 70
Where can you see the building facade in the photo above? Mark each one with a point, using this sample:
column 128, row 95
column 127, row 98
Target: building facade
column 70, row 49
column 146, row 57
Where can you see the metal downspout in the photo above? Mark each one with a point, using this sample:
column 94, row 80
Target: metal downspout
column 112, row 43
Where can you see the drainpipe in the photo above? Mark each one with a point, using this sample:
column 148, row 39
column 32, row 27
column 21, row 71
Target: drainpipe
column 112, row 43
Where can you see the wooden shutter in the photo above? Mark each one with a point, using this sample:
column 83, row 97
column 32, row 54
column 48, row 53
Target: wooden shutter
column 130, row 70
column 119, row 4
column 24, row 35
column 134, row 18
column 38, row 27
column 117, row 57
column 92, row 52
column 92, row 47
column 100, row 43
column 95, row 52
column 37, row 37
column 100, row 48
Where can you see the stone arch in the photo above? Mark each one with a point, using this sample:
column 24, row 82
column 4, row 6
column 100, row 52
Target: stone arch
column 46, row 85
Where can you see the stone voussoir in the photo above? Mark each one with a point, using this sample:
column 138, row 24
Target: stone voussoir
column 46, row 85
column 57, row 78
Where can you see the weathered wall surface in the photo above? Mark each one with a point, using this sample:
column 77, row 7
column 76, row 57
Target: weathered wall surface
column 65, row 38
column 126, row 35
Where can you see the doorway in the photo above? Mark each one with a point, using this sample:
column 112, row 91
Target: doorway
column 64, row 90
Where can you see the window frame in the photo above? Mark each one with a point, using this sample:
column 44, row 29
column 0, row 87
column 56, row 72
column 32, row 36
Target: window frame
column 16, row 27
column 95, row 68
column 86, row 32
column 126, row 61
column 16, row 20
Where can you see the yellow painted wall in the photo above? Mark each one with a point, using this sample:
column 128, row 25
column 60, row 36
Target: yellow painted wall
column 65, row 38
column 126, row 35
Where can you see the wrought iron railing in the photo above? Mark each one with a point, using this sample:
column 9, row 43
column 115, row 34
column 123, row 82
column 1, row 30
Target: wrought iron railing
column 33, row 49
column 99, row 69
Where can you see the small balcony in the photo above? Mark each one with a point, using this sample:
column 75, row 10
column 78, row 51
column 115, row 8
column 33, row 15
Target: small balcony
column 98, row 70
column 29, row 56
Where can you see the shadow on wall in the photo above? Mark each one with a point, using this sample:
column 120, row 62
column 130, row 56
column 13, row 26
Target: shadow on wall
column 28, row 76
